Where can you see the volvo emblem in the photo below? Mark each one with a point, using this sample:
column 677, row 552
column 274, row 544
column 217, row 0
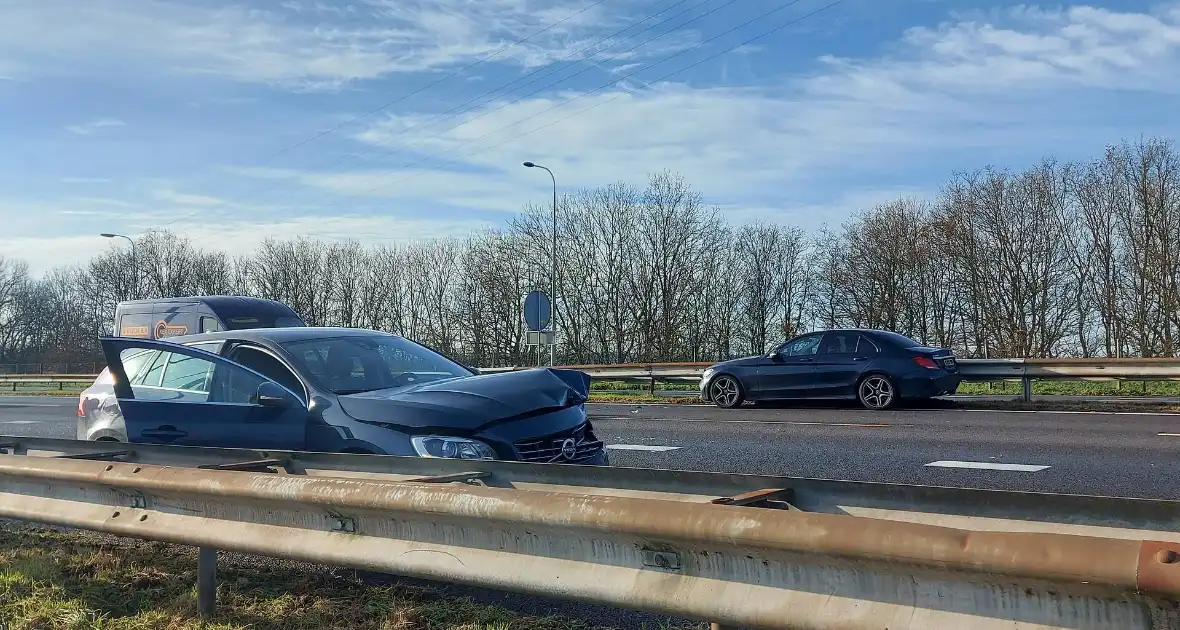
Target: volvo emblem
column 569, row 449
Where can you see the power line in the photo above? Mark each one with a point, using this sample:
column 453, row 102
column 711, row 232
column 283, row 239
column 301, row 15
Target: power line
column 646, row 85
column 551, row 64
column 430, row 85
column 444, row 115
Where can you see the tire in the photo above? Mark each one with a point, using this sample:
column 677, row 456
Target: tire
column 726, row 392
column 876, row 392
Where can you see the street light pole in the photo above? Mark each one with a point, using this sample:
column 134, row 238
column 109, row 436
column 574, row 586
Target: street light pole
column 134, row 262
column 552, row 268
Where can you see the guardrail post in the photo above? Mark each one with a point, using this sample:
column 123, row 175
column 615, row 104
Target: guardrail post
column 206, row 581
column 716, row 626
column 1026, row 387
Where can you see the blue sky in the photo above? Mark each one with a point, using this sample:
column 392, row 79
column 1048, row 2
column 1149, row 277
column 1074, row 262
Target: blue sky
column 233, row 121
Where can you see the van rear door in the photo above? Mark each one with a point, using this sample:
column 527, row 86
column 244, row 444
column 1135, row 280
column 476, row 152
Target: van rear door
column 175, row 319
column 134, row 322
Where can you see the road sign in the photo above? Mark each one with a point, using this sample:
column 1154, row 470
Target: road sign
column 537, row 311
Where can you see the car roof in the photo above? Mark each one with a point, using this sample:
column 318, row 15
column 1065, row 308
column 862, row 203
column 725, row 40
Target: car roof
column 223, row 305
column 279, row 335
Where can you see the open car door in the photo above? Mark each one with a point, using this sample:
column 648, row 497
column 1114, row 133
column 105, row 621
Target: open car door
column 174, row 394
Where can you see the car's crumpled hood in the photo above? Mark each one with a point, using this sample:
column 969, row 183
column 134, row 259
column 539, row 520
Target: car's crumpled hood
column 470, row 403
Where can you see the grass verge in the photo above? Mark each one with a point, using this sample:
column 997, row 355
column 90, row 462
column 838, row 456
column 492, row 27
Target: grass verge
column 66, row 580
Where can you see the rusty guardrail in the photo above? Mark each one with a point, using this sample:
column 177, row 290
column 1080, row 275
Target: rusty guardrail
column 721, row 561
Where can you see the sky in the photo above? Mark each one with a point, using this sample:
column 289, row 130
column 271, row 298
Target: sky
column 394, row 120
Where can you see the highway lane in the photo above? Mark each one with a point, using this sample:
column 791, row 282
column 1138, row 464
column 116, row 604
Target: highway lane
column 1085, row 453
column 1088, row 453
column 40, row 416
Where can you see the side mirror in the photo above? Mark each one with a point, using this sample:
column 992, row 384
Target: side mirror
column 271, row 395
column 474, row 369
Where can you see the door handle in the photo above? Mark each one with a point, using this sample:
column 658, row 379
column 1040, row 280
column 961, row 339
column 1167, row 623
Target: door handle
column 807, row 360
column 164, row 433
column 860, row 358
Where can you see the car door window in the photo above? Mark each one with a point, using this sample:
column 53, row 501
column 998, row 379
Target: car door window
column 170, row 377
column 181, row 377
column 805, row 346
column 136, row 362
column 838, row 343
column 270, row 367
column 187, row 374
column 866, row 348
column 151, row 376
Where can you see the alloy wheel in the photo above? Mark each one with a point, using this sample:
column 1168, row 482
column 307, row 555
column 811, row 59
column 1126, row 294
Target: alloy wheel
column 876, row 392
column 726, row 392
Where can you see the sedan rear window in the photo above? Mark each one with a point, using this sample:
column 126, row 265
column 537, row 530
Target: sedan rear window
column 899, row 340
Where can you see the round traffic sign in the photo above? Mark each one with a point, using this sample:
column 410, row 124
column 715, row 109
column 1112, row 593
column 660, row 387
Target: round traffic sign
column 537, row 310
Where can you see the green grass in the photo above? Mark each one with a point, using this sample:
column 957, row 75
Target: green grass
column 51, row 580
column 1076, row 388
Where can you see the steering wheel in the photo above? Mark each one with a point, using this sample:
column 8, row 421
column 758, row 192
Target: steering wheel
column 404, row 378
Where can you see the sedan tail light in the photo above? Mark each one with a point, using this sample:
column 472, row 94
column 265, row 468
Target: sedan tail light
column 926, row 362
column 81, row 405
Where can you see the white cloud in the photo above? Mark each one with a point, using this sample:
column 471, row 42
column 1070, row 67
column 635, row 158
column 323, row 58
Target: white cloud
column 44, row 252
column 84, row 180
column 805, row 149
column 1016, row 86
column 85, row 129
column 304, row 45
column 184, row 199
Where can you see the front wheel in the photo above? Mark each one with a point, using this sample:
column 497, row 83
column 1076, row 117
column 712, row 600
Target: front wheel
column 726, row 392
column 877, row 392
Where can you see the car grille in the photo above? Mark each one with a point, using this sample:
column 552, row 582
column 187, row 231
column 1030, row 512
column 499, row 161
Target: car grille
column 548, row 449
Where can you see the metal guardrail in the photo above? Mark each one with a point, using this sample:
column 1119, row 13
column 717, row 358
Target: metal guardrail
column 973, row 370
column 651, row 374
column 661, row 541
column 14, row 382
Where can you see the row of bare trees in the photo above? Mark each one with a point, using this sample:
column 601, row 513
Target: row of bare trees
column 1059, row 259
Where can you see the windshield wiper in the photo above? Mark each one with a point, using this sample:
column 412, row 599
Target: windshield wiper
column 345, row 392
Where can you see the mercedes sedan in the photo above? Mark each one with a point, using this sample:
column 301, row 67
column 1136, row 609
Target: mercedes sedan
column 333, row 390
column 875, row 367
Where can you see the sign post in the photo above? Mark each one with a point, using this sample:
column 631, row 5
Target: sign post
column 538, row 315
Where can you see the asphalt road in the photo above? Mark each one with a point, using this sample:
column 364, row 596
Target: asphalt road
column 1122, row 454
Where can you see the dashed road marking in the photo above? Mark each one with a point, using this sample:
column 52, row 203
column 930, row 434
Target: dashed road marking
column 987, row 466
column 21, row 422
column 868, row 425
column 641, row 447
column 1168, row 434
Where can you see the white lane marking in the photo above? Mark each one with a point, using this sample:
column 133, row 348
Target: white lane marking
column 1060, row 411
column 21, row 422
column 987, row 466
column 870, row 425
column 641, row 447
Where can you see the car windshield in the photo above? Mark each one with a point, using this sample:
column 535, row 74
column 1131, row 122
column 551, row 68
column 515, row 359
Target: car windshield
column 354, row 364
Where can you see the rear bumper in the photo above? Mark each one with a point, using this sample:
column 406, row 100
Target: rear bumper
column 941, row 384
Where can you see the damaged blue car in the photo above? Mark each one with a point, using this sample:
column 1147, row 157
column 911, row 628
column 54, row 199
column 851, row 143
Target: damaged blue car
column 339, row 390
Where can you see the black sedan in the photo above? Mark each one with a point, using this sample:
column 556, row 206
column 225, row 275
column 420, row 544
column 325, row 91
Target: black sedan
column 333, row 390
column 875, row 367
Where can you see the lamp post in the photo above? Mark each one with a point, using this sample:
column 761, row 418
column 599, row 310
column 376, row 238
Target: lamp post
column 552, row 268
column 134, row 262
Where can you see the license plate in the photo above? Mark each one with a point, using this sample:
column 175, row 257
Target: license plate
column 949, row 362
